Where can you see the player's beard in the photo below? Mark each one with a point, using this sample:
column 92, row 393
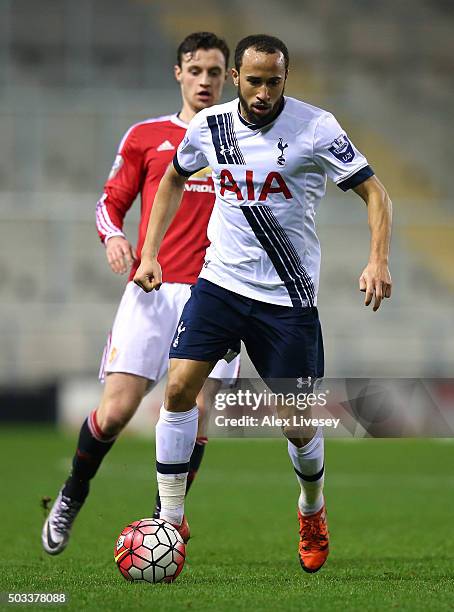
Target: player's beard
column 259, row 119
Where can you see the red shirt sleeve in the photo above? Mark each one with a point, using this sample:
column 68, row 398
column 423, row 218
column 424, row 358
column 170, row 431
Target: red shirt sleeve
column 121, row 188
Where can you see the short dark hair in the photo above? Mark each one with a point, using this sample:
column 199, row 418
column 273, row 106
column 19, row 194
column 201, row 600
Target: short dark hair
column 203, row 40
column 263, row 43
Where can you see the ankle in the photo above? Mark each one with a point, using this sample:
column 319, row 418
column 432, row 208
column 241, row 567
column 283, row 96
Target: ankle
column 76, row 489
column 310, row 507
column 172, row 515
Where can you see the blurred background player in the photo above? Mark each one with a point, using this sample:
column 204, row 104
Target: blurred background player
column 270, row 156
column 136, row 355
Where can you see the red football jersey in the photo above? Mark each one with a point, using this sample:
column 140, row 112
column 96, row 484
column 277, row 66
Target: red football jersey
column 143, row 156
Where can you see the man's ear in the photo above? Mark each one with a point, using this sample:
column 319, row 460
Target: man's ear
column 177, row 72
column 235, row 77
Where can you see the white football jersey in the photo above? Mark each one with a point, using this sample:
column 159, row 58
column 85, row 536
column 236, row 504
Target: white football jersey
column 269, row 181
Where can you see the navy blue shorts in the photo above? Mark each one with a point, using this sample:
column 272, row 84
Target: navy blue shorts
column 282, row 341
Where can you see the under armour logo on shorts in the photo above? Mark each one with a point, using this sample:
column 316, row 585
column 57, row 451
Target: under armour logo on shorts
column 304, row 382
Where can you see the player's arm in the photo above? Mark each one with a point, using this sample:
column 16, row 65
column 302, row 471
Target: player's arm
column 120, row 191
column 189, row 158
column 110, row 213
column 165, row 206
column 120, row 254
column 375, row 279
column 348, row 168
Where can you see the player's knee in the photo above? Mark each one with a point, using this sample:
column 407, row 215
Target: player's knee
column 179, row 396
column 115, row 412
column 292, row 434
column 112, row 418
column 297, row 437
column 111, row 424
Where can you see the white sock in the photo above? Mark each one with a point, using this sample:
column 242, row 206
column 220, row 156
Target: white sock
column 308, row 462
column 175, row 438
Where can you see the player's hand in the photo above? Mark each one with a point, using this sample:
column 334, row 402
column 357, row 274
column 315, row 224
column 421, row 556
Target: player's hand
column 148, row 275
column 376, row 282
column 120, row 254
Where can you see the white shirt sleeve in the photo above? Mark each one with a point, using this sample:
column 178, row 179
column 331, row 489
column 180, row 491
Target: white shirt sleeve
column 335, row 153
column 189, row 157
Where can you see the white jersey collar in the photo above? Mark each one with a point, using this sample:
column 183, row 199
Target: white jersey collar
column 177, row 121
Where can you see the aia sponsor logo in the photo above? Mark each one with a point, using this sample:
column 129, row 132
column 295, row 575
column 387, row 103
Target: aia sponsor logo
column 274, row 183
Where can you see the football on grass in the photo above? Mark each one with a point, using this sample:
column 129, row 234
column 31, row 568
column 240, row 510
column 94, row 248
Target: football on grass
column 150, row 550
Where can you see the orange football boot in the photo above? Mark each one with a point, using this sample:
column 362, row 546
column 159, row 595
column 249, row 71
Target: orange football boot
column 183, row 529
column 313, row 546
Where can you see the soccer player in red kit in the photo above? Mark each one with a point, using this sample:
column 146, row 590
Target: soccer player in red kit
column 136, row 354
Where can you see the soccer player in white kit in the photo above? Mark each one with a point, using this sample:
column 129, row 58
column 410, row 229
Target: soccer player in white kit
column 136, row 355
column 270, row 155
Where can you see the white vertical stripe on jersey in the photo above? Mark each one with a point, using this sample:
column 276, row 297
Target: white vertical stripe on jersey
column 106, row 225
column 100, row 224
column 108, row 221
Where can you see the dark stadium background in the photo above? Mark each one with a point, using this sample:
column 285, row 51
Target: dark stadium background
column 75, row 75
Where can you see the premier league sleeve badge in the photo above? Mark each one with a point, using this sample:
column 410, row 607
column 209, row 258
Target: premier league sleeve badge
column 342, row 149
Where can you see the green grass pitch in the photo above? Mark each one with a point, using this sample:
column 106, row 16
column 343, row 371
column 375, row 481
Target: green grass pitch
column 390, row 509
